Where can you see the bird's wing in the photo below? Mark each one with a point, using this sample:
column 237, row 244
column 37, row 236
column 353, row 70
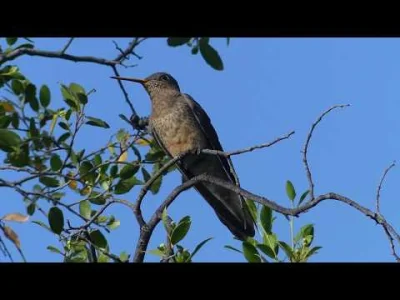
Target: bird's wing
column 209, row 132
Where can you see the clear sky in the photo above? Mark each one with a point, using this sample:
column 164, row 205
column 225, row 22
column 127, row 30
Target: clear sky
column 269, row 87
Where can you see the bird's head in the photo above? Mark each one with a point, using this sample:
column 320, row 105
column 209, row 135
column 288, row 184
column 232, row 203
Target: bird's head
column 156, row 82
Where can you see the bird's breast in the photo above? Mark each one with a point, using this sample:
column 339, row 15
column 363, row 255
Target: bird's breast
column 179, row 131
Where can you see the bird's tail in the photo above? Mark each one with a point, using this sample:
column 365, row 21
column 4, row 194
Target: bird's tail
column 230, row 209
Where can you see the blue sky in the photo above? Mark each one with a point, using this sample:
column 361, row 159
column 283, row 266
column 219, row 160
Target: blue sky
column 269, row 87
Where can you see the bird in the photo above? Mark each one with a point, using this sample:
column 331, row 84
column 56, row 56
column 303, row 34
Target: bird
column 180, row 125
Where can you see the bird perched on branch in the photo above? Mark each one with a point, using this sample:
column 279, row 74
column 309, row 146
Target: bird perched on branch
column 179, row 124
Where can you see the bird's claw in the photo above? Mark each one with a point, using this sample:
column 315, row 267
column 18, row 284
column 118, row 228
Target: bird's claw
column 139, row 123
column 195, row 151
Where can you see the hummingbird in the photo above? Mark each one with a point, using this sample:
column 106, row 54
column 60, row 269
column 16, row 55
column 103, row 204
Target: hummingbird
column 180, row 125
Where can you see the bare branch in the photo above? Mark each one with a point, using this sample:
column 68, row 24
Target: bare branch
column 249, row 149
column 378, row 193
column 306, row 145
column 67, row 45
column 55, row 54
column 391, row 244
column 147, row 230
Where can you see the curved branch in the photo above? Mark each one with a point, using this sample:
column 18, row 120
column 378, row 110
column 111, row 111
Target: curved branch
column 147, row 230
column 378, row 193
column 307, row 143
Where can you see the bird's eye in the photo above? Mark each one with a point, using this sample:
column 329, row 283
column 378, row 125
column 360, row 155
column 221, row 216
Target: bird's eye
column 164, row 78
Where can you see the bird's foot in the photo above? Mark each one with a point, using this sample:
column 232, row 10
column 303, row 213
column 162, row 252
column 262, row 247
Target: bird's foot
column 139, row 123
column 196, row 151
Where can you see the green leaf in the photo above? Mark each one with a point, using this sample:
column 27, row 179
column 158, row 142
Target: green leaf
column 307, row 231
column 15, row 120
column 124, row 118
column 82, row 98
column 5, row 121
column 199, row 246
column 210, row 55
column 288, row 250
column 54, row 250
column 30, row 209
column 303, row 232
column 98, row 200
column 17, row 87
column 97, row 122
column 76, row 88
column 154, row 154
column 125, row 185
column 128, row 171
column 232, row 248
column 195, row 50
column 227, row 41
column 85, row 209
column 124, row 257
column 290, row 191
column 41, row 224
column 30, row 97
column 64, row 125
column 146, row 175
column 58, row 195
column 11, row 40
column 98, row 239
column 252, row 208
column 19, row 157
column 313, row 250
column 32, row 129
column 266, row 219
column 271, row 241
column 113, row 223
column 84, row 171
column 180, row 231
column 65, row 92
column 114, row 171
column 164, row 218
column 55, row 162
column 250, row 253
column 103, row 258
column 97, row 160
column 71, row 103
column 303, row 196
column 267, row 250
column 177, row 41
column 49, row 181
column 156, row 252
column 8, row 140
column 155, row 186
column 56, row 220
column 44, row 95
column 63, row 137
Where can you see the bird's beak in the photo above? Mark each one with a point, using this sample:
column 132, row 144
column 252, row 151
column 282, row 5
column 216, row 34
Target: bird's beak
column 141, row 81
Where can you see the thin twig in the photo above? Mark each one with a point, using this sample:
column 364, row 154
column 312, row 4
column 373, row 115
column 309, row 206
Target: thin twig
column 5, row 250
column 391, row 240
column 249, row 149
column 129, row 50
column 67, row 46
column 127, row 100
column 306, row 145
column 378, row 193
